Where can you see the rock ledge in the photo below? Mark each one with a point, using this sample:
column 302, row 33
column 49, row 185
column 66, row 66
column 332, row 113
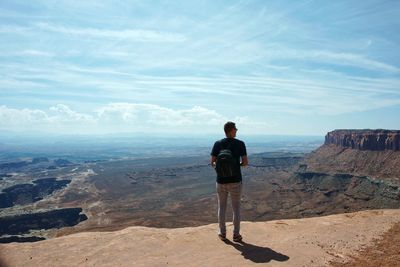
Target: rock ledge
column 367, row 139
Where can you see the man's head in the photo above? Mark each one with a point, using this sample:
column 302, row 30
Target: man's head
column 230, row 129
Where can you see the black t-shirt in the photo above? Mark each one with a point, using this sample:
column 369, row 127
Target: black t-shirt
column 238, row 149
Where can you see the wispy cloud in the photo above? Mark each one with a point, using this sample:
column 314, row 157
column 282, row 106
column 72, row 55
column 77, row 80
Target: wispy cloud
column 337, row 58
column 307, row 92
column 139, row 35
column 13, row 29
column 27, row 53
column 242, row 59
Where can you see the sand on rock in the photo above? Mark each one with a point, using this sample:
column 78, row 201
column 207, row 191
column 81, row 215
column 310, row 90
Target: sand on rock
column 294, row 242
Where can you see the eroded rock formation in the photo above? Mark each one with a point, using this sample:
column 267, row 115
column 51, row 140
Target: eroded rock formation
column 375, row 140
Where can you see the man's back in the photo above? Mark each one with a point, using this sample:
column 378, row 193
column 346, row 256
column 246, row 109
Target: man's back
column 238, row 149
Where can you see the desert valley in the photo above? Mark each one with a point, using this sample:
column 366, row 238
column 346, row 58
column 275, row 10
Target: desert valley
column 43, row 198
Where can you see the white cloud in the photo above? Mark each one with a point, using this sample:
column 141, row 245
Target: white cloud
column 10, row 117
column 309, row 92
column 13, row 29
column 119, row 117
column 35, row 53
column 26, row 53
column 252, row 59
column 157, row 115
column 353, row 60
column 59, row 118
column 140, row 35
column 63, row 113
column 332, row 57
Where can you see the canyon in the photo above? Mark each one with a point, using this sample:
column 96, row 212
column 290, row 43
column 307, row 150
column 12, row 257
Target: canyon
column 175, row 192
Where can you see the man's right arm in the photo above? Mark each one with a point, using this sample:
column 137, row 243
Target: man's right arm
column 213, row 161
column 214, row 155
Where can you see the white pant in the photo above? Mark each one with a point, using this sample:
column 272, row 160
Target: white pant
column 235, row 190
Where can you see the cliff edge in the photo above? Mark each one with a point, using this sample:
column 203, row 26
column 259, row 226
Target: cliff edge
column 372, row 153
column 296, row 242
column 374, row 140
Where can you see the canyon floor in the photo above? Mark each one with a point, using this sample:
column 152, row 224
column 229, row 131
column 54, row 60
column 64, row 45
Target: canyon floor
column 317, row 241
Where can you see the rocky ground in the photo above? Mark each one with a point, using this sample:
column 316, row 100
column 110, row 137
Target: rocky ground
column 317, row 241
column 384, row 252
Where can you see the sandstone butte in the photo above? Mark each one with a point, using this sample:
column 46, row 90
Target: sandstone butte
column 374, row 140
column 317, row 241
column 372, row 153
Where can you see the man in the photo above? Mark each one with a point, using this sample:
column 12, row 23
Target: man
column 229, row 182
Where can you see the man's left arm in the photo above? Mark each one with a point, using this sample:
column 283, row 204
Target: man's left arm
column 245, row 161
column 243, row 155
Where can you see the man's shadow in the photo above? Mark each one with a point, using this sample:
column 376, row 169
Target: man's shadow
column 257, row 254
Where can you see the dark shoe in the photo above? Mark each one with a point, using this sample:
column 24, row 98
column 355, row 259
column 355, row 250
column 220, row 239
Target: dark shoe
column 222, row 236
column 237, row 238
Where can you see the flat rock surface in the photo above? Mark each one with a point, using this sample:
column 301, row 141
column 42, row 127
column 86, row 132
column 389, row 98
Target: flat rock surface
column 295, row 242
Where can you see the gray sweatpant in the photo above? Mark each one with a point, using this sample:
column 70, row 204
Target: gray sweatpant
column 235, row 190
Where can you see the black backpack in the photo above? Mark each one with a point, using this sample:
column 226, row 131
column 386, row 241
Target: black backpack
column 226, row 163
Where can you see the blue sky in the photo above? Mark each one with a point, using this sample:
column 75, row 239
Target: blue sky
column 273, row 67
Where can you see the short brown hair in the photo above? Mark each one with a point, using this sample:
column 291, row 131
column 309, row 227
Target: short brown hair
column 229, row 126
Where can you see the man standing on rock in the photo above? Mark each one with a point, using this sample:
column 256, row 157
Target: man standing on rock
column 227, row 156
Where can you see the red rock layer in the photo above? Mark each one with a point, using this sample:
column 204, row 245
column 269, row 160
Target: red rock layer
column 375, row 140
